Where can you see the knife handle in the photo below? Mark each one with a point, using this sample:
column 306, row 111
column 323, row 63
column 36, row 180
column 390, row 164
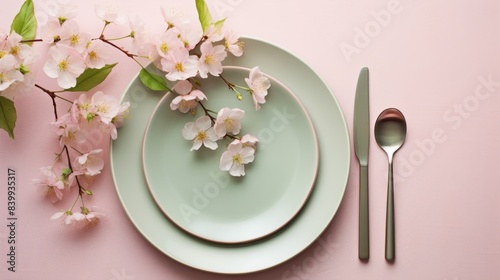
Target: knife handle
column 364, row 229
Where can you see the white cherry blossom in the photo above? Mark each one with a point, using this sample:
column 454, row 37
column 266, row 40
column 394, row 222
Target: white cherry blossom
column 70, row 35
column 167, row 42
column 51, row 31
column 65, row 64
column 173, row 17
column 104, row 106
column 90, row 163
column 180, row 65
column 228, row 122
column 235, row 158
column 9, row 72
column 232, row 43
column 211, row 59
column 110, row 13
column 187, row 98
column 63, row 10
column 95, row 54
column 258, row 84
column 200, row 132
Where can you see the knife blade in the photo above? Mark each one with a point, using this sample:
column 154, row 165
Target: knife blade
column 361, row 147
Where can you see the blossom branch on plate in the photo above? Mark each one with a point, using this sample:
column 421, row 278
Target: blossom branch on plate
column 186, row 53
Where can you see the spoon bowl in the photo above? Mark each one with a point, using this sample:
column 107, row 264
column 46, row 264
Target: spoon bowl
column 390, row 134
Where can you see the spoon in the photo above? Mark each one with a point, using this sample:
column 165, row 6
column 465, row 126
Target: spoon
column 390, row 133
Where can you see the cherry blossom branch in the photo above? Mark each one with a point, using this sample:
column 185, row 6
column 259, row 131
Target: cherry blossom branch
column 102, row 38
column 31, row 41
column 234, row 87
column 119, row 38
column 52, row 96
column 81, row 190
column 65, row 149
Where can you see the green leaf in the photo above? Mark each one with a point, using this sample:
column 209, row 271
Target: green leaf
column 218, row 24
column 8, row 115
column 90, row 78
column 153, row 81
column 25, row 23
column 203, row 14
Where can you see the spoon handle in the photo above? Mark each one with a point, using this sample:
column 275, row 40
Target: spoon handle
column 390, row 250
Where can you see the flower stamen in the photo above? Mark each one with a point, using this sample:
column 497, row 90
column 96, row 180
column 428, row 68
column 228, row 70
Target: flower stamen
column 238, row 159
column 202, row 135
column 179, row 67
column 63, row 65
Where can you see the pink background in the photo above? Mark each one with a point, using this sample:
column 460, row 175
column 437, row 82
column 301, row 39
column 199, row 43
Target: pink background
column 427, row 59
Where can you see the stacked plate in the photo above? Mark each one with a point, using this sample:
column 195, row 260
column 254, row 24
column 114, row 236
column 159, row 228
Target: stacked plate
column 203, row 217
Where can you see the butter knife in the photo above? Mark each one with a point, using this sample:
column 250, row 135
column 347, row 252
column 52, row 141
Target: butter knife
column 361, row 148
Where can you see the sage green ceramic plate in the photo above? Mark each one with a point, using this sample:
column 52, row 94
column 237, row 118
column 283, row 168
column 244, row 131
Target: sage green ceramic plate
column 209, row 203
column 313, row 219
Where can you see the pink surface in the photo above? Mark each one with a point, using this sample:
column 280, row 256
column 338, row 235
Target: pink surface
column 428, row 58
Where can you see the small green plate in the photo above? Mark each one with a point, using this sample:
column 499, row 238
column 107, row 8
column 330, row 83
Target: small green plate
column 209, row 203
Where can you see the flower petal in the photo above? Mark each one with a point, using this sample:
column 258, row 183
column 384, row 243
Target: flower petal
column 189, row 131
column 237, row 170
column 204, row 123
column 226, row 161
column 196, row 145
column 212, row 145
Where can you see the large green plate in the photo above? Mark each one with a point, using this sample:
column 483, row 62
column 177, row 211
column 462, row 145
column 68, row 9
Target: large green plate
column 297, row 235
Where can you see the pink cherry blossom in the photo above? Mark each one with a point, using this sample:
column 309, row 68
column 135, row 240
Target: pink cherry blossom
column 51, row 31
column 214, row 33
column 167, row 42
column 90, row 216
column 228, row 122
column 179, row 65
column 3, row 38
column 95, row 54
column 258, row 84
column 69, row 130
column 69, row 217
column 235, row 158
column 200, row 132
column 63, row 10
column 70, row 35
column 189, row 34
column 9, row 72
column 50, row 185
column 110, row 13
column 16, row 61
column 122, row 113
column 211, row 59
column 20, row 87
column 249, row 141
column 187, row 98
column 19, row 50
column 87, row 217
column 141, row 40
column 65, row 64
column 82, row 107
column 173, row 17
column 103, row 112
column 233, row 43
column 90, row 163
column 105, row 106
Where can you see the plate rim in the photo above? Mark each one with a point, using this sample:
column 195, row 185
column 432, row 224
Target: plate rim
column 260, row 266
